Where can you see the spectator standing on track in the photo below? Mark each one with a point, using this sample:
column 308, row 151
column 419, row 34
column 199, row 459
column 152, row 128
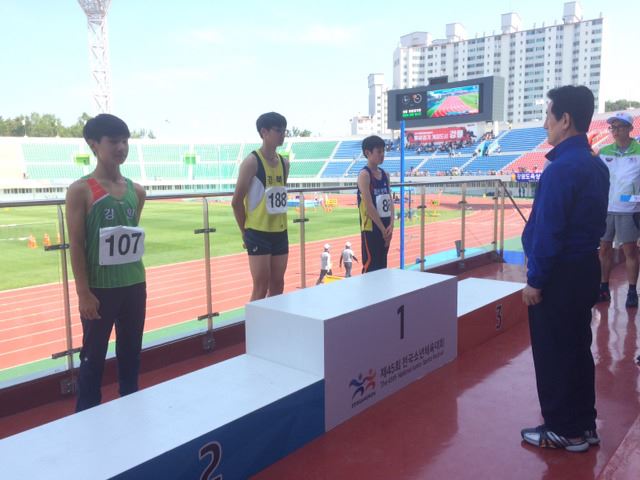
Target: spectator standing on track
column 623, row 217
column 561, row 242
column 325, row 264
column 103, row 210
column 375, row 206
column 347, row 257
column 260, row 207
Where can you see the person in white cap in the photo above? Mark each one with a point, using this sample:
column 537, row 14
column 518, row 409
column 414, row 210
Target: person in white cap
column 623, row 218
column 347, row 258
column 325, row 264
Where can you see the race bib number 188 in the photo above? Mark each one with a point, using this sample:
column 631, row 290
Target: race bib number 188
column 120, row 245
column 276, row 200
column 383, row 204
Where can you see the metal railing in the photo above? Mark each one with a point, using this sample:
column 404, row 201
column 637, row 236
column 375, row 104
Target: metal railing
column 475, row 209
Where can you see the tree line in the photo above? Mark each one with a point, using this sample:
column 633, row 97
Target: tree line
column 612, row 106
column 48, row 125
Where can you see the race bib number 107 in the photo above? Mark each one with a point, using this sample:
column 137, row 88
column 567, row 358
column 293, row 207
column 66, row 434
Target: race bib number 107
column 120, row 245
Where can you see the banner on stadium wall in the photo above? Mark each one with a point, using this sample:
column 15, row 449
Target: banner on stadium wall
column 528, row 177
column 436, row 135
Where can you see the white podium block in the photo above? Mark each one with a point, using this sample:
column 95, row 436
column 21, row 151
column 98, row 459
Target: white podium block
column 369, row 336
column 230, row 420
column 487, row 308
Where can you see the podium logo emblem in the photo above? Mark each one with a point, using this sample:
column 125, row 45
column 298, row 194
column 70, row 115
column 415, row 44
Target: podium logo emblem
column 363, row 386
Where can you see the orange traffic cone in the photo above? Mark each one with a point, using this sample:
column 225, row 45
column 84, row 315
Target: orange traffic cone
column 46, row 240
column 31, row 243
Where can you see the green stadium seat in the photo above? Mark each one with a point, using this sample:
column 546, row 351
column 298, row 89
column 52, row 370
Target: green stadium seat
column 55, row 172
column 313, row 150
column 215, row 152
column 215, row 170
column 49, row 153
column 164, row 153
column 305, row 169
column 166, row 171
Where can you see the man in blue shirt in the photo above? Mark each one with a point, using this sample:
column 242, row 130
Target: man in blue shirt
column 563, row 273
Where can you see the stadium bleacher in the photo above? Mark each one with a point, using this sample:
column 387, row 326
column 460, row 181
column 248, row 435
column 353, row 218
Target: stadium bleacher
column 530, row 162
column 215, row 170
column 164, row 153
column 439, row 165
column 522, row 139
column 305, row 169
column 213, row 152
column 485, row 165
column 349, row 150
column 336, row 169
column 159, row 172
column 313, row 150
column 247, row 148
column 49, row 153
column 52, row 160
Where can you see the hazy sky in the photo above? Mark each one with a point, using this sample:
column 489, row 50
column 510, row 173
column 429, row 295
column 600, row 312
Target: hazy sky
column 208, row 68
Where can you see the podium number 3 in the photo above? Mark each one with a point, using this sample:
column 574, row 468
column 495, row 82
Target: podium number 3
column 401, row 314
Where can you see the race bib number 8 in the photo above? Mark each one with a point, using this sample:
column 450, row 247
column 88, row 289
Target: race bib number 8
column 276, row 200
column 120, row 245
column 383, row 204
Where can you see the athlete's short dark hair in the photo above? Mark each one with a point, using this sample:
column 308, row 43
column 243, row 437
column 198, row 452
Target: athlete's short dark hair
column 372, row 142
column 270, row 120
column 105, row 125
column 578, row 102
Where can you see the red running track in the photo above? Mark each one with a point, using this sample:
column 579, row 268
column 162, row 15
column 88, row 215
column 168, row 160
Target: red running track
column 451, row 104
column 32, row 319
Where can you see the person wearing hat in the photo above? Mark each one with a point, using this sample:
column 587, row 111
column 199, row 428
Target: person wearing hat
column 325, row 264
column 347, row 258
column 623, row 218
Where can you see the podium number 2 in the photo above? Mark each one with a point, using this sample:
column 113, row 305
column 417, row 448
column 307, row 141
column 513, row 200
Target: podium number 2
column 215, row 450
column 401, row 314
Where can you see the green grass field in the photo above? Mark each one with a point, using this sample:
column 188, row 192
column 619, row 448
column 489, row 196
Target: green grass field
column 169, row 230
column 471, row 100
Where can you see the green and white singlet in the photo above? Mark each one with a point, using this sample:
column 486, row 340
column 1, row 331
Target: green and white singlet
column 114, row 242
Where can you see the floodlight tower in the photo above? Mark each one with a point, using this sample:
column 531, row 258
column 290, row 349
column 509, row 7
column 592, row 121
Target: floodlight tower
column 96, row 12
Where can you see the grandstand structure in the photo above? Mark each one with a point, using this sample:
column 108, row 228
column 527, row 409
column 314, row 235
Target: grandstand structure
column 44, row 167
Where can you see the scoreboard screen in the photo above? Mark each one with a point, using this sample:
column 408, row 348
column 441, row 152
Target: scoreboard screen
column 467, row 101
column 412, row 105
column 449, row 102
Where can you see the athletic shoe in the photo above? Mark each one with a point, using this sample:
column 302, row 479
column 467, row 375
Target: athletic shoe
column 604, row 296
column 542, row 437
column 632, row 300
column 591, row 436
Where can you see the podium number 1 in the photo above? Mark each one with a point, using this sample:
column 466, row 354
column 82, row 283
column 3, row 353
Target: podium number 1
column 401, row 313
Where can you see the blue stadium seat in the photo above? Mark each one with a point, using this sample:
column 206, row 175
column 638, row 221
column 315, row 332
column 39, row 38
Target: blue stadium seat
column 349, row 150
column 491, row 163
column 335, row 169
column 522, row 139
